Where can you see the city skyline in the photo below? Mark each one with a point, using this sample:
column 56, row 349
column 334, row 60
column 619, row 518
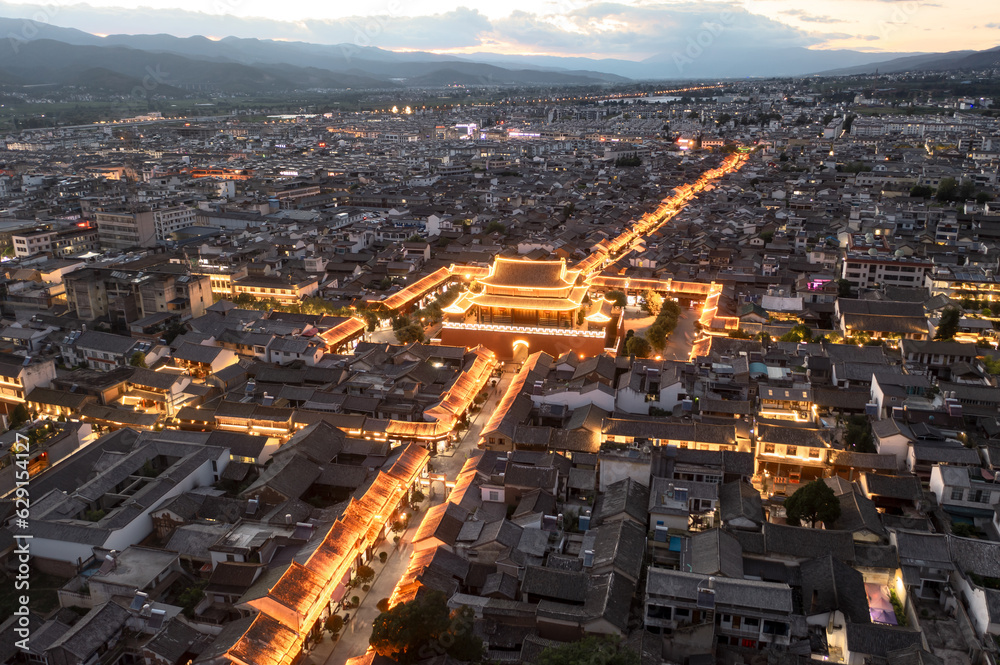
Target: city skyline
column 629, row 30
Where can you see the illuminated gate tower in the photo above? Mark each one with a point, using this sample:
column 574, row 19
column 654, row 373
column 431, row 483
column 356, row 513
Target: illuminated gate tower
column 523, row 306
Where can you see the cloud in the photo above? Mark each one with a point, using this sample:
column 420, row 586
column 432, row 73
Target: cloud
column 648, row 29
column 993, row 25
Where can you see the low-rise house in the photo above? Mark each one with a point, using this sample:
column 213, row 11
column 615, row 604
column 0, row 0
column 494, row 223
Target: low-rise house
column 100, row 350
column 694, row 611
column 965, row 492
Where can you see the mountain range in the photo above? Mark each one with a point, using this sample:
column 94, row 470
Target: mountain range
column 56, row 55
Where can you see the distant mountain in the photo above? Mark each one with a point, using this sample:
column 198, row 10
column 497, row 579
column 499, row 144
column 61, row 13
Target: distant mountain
column 64, row 55
column 936, row 62
column 44, row 61
column 37, row 53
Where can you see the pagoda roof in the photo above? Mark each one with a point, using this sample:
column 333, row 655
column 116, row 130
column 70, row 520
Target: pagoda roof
column 530, row 301
column 520, row 273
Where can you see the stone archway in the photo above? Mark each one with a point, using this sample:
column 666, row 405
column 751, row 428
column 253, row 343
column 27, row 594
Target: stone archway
column 520, row 351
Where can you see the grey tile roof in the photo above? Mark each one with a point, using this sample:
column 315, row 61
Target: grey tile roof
column 878, row 640
column 805, row 543
column 829, row 584
column 769, row 596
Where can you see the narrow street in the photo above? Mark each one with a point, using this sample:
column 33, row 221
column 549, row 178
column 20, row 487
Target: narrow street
column 353, row 640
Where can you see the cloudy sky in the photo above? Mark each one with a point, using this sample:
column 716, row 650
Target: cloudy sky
column 627, row 29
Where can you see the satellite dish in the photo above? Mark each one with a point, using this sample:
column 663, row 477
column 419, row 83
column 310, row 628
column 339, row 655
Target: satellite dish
column 899, row 253
column 869, row 237
column 872, row 252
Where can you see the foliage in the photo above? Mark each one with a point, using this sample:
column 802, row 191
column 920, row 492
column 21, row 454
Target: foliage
column 815, row 502
column 383, row 605
column 664, row 324
column 94, row 515
column 411, row 332
column 382, row 556
column 991, row 364
column 763, row 337
column 844, row 288
column 495, row 226
column 19, row 416
column 652, row 302
column 363, row 575
column 856, row 167
column 947, row 190
column 424, row 628
column 592, row 650
column 948, row 325
column 138, row 360
column 799, row 333
column 617, row 297
column 965, row 530
column 638, row 346
column 417, row 497
column 334, row 624
column 897, row 608
column 921, row 191
column 739, row 333
column 629, row 160
column 191, row 596
column 858, row 434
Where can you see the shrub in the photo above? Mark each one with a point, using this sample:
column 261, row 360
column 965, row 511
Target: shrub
column 355, row 601
column 382, row 556
column 334, row 624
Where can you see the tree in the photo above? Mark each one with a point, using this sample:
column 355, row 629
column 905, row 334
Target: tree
column 138, row 360
column 858, row 434
column 411, row 332
column 948, row 325
column 947, row 190
column 617, row 297
column 739, row 333
column 844, row 288
column 921, row 191
column 652, row 302
column 815, row 502
column 19, row 416
column 424, row 628
column 363, row 575
column 334, row 624
column 638, row 346
column 799, row 333
column 592, row 650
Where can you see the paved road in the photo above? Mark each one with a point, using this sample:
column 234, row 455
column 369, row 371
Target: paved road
column 682, row 339
column 354, row 638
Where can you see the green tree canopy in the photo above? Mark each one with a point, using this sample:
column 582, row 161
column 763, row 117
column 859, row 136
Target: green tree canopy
column 799, row 333
column 947, row 190
column 858, row 434
column 137, row 360
column 638, row 346
column 652, row 302
column 411, row 332
column 815, row 502
column 424, row 628
column 592, row 650
column 948, row 325
column 617, row 297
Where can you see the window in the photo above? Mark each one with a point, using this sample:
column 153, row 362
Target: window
column 494, row 495
column 956, row 495
column 791, row 450
column 814, row 453
column 768, row 448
